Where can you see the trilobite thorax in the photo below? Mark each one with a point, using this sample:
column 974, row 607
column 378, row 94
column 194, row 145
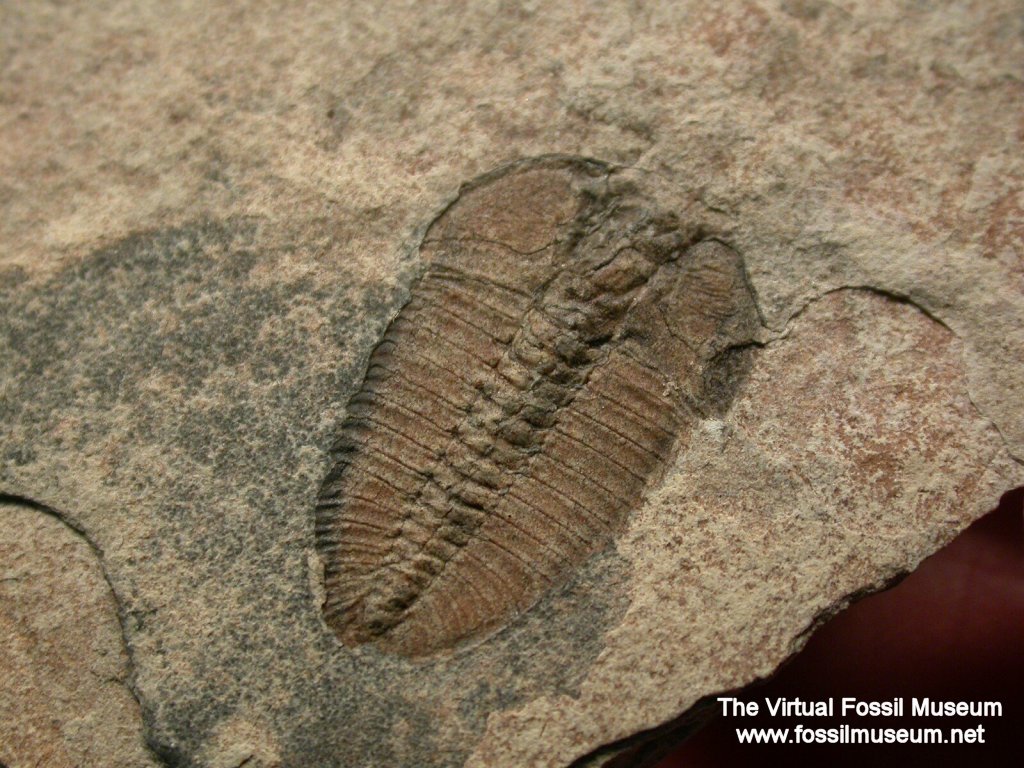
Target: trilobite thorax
column 562, row 338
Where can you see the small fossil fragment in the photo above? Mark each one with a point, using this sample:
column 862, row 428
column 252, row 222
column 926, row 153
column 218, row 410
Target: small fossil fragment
column 562, row 338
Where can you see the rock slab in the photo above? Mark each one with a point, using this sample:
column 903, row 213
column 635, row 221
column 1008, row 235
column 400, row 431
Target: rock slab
column 211, row 215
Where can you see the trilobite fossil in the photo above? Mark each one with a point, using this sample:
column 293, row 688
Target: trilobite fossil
column 564, row 335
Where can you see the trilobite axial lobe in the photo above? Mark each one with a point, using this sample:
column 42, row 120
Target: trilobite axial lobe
column 564, row 335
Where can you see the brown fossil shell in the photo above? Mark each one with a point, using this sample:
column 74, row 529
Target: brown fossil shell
column 563, row 337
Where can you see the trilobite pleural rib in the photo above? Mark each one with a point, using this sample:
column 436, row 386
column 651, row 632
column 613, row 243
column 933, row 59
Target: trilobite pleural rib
column 564, row 336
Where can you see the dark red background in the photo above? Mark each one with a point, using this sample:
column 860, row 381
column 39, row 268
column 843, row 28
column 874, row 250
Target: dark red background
column 952, row 630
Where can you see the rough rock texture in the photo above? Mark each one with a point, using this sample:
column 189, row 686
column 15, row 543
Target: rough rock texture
column 64, row 702
column 210, row 215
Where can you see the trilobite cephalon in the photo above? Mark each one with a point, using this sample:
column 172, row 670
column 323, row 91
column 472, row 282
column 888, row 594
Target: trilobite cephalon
column 563, row 335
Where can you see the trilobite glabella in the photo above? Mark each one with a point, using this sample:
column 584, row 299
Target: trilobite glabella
column 563, row 336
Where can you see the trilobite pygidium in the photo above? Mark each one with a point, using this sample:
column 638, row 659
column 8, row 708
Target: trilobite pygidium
column 562, row 338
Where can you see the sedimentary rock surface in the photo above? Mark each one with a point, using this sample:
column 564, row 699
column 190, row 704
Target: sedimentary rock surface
column 66, row 700
column 715, row 311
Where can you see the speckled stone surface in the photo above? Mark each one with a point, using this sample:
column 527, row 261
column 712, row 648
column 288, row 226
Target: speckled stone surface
column 63, row 662
column 208, row 216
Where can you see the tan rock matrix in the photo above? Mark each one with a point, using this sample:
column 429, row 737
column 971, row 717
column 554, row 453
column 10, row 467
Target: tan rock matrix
column 389, row 385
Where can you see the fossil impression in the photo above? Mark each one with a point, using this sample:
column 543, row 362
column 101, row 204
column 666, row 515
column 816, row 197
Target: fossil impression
column 564, row 336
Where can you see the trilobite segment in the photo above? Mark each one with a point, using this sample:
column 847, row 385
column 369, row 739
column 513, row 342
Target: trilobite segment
column 552, row 354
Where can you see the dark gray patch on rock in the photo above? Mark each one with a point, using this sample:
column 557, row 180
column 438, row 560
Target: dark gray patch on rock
column 189, row 379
